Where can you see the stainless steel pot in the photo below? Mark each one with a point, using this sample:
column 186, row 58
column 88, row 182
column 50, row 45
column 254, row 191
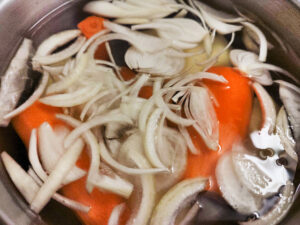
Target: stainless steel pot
column 37, row 19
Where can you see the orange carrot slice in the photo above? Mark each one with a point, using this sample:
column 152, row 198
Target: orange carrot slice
column 233, row 113
column 91, row 25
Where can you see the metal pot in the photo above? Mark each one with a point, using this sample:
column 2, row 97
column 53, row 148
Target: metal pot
column 37, row 19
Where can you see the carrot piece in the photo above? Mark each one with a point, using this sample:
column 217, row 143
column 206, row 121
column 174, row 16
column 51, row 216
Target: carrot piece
column 33, row 117
column 146, row 92
column 127, row 73
column 233, row 113
column 91, row 25
column 101, row 203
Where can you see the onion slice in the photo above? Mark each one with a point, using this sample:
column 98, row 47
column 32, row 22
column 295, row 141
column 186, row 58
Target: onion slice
column 53, row 182
column 75, row 98
column 262, row 39
column 71, row 78
column 59, row 56
column 267, row 106
column 176, row 198
column 96, row 121
column 116, row 214
column 234, row 192
column 150, row 139
column 51, row 149
column 24, row 183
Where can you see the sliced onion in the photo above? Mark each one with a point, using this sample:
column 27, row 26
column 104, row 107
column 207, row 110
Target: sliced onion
column 176, row 29
column 158, row 63
column 52, row 184
column 173, row 153
column 33, row 98
column 113, row 163
column 279, row 211
column 176, row 198
column 235, row 193
column 96, row 121
column 34, row 157
column 94, row 148
column 113, row 10
column 51, row 149
column 74, row 98
column 219, row 15
column 267, row 106
column 150, row 139
column 141, row 41
column 284, row 132
column 59, row 56
column 132, row 153
column 71, row 78
column 144, row 114
column 244, row 60
column 116, row 214
column 136, row 87
column 130, row 21
column 104, row 152
column 59, row 198
column 115, row 184
column 262, row 39
column 200, row 108
column 289, row 94
column 132, row 107
column 24, row 183
column 14, row 80
column 55, row 41
column 89, row 42
column 219, row 26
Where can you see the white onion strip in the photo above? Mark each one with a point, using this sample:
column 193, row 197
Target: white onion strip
column 150, row 139
column 267, row 106
column 96, row 121
column 51, row 149
column 262, row 39
column 55, row 41
column 104, row 152
column 34, row 158
column 53, row 182
column 24, row 183
column 89, row 42
column 115, row 184
column 116, row 214
column 64, row 54
column 113, row 163
column 59, row 198
column 33, row 98
column 176, row 198
column 72, row 99
column 71, row 78
column 94, row 148
column 136, row 87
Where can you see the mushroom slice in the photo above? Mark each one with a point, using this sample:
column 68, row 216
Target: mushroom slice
column 175, row 199
column 235, row 192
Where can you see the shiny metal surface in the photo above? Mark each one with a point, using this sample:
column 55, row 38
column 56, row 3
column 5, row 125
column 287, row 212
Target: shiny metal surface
column 37, row 19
